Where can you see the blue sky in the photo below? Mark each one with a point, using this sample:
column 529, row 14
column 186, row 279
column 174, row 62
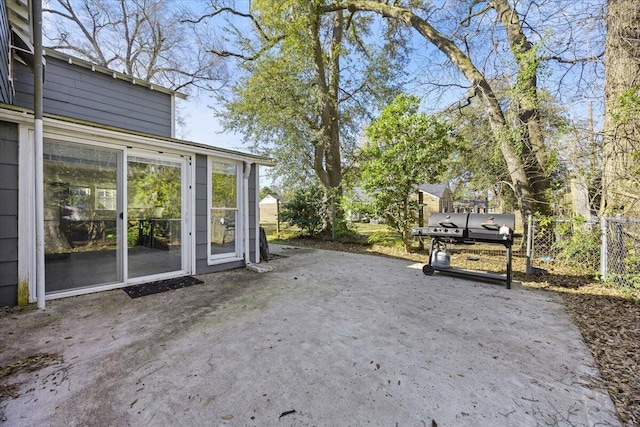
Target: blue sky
column 204, row 128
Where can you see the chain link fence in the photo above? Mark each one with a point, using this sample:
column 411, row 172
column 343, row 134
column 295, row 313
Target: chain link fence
column 609, row 248
column 620, row 257
column 569, row 243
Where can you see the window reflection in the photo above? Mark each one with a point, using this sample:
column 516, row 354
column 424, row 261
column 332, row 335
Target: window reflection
column 80, row 232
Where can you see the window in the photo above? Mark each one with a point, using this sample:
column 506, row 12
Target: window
column 224, row 215
column 106, row 199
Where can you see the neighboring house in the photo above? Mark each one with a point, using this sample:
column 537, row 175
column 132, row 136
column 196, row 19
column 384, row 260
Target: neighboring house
column 124, row 201
column 470, row 206
column 435, row 198
column 269, row 208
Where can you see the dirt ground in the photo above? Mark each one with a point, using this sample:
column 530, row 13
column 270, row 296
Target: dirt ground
column 327, row 338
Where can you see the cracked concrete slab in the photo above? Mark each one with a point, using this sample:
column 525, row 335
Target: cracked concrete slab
column 325, row 339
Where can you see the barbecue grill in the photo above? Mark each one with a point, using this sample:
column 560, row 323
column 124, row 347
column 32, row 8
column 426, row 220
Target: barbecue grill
column 465, row 228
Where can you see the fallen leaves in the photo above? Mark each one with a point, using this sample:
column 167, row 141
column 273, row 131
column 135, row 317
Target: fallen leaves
column 610, row 325
column 29, row 364
column 26, row 364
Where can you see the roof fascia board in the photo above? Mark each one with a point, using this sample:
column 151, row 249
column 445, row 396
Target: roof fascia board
column 19, row 12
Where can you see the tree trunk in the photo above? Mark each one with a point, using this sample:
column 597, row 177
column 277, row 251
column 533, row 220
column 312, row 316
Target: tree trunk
column 328, row 161
column 535, row 154
column 620, row 178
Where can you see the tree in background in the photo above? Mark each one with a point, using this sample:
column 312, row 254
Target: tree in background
column 267, row 191
column 141, row 38
column 309, row 79
column 479, row 169
column 483, row 39
column 404, row 149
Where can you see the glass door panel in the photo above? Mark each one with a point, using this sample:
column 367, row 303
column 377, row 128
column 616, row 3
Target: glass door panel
column 224, row 209
column 154, row 213
column 81, row 216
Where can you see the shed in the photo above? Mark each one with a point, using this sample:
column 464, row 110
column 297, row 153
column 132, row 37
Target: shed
column 269, row 208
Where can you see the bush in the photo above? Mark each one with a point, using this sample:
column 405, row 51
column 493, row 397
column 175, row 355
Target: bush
column 305, row 209
column 579, row 242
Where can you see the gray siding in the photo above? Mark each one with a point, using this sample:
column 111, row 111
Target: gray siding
column 5, row 48
column 8, row 213
column 79, row 93
column 202, row 250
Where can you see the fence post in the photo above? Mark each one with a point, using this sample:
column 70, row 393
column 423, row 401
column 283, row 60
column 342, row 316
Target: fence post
column 529, row 243
column 603, row 248
column 278, row 218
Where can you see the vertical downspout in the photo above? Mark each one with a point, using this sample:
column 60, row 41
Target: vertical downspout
column 38, row 141
column 247, row 248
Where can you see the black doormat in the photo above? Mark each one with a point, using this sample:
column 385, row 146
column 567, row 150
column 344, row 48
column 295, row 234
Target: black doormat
column 151, row 288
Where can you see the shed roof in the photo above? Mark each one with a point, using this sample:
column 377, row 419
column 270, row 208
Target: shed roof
column 269, row 199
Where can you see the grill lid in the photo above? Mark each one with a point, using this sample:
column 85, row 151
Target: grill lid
column 448, row 225
column 491, row 227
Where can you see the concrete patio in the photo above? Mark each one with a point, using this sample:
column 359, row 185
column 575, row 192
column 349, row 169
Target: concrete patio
column 340, row 339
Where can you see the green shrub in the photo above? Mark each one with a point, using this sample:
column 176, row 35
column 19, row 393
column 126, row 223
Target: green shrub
column 579, row 243
column 306, row 209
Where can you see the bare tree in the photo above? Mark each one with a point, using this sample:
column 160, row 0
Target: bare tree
column 142, row 38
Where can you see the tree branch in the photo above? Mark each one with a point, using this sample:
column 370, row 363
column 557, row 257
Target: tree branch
column 466, row 21
column 573, row 61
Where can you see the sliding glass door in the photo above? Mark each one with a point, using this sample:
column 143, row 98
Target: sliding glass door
column 90, row 239
column 81, row 209
column 154, row 215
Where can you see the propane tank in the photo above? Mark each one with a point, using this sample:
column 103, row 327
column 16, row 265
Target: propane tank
column 440, row 257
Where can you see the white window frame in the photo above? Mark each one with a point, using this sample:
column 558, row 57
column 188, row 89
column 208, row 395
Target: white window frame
column 237, row 254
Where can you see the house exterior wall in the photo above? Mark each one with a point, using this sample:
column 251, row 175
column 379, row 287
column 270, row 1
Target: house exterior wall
column 202, row 226
column 8, row 213
column 5, row 47
column 79, row 93
column 435, row 204
column 446, row 201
